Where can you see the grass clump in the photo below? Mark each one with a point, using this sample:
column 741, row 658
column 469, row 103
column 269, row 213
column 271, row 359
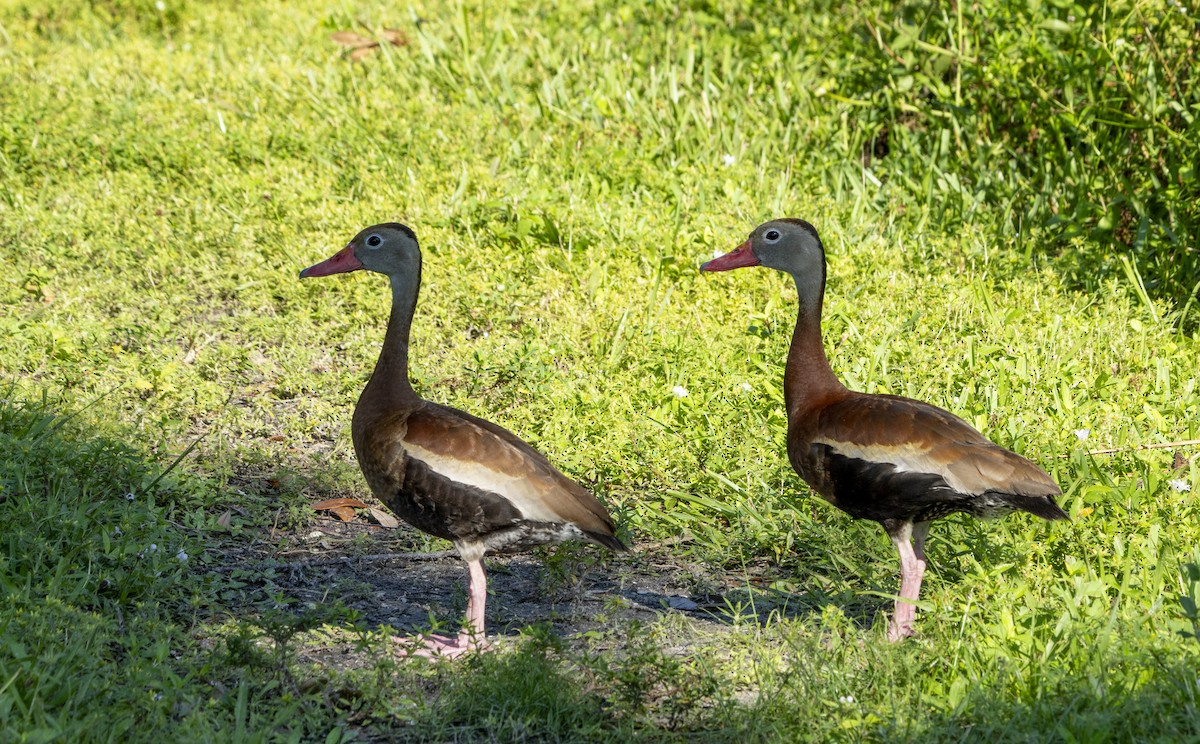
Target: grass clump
column 87, row 564
column 101, row 606
column 1068, row 129
column 1007, row 195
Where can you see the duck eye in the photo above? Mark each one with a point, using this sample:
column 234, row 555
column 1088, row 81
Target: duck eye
column 772, row 236
column 374, row 241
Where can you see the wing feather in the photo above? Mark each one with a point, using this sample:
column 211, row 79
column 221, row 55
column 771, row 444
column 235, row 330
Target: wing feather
column 483, row 455
column 917, row 437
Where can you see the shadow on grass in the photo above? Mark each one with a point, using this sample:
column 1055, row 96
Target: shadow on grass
column 110, row 624
column 572, row 597
column 761, row 607
column 100, row 597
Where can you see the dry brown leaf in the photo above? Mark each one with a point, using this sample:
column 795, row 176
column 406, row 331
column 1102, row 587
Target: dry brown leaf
column 395, row 36
column 385, row 519
column 330, row 504
column 224, row 519
column 358, row 54
column 344, row 513
column 351, row 39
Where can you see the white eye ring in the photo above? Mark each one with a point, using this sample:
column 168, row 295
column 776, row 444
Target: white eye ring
column 374, row 241
column 772, row 236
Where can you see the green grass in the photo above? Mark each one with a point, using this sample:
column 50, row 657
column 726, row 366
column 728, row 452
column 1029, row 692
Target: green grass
column 1019, row 247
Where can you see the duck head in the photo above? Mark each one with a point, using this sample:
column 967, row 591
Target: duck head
column 786, row 244
column 389, row 248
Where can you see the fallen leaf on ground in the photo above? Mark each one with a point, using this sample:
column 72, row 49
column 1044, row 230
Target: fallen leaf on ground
column 385, row 519
column 351, row 39
column 395, row 36
column 330, row 504
column 363, row 45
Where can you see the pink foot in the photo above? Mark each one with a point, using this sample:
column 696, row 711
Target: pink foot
column 899, row 631
column 433, row 646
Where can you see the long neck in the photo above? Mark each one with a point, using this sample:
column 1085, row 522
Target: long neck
column 808, row 379
column 390, row 378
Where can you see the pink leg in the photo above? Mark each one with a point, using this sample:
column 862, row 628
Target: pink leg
column 475, row 602
column 912, row 570
column 434, row 646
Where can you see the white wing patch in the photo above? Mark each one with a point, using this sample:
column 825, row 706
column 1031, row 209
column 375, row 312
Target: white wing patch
column 520, row 491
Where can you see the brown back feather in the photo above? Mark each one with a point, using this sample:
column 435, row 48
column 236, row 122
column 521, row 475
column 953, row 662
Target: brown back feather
column 453, row 433
column 931, row 439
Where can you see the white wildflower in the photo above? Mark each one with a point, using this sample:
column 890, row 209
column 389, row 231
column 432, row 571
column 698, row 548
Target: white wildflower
column 182, row 555
column 1180, row 485
column 160, row 6
column 820, row 91
column 728, row 159
column 846, row 699
column 679, row 391
column 129, row 496
column 153, row 548
column 746, row 386
column 1082, row 434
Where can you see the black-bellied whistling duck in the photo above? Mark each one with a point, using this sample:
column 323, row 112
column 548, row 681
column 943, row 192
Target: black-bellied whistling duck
column 900, row 462
column 445, row 471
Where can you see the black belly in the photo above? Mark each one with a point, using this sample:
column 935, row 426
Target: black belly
column 880, row 492
column 446, row 508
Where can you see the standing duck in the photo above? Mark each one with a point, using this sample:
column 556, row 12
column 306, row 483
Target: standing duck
column 897, row 461
column 444, row 471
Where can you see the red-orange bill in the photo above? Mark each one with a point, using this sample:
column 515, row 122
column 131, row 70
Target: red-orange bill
column 735, row 259
column 339, row 263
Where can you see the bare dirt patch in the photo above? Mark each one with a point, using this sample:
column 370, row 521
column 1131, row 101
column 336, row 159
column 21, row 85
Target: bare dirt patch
column 583, row 594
